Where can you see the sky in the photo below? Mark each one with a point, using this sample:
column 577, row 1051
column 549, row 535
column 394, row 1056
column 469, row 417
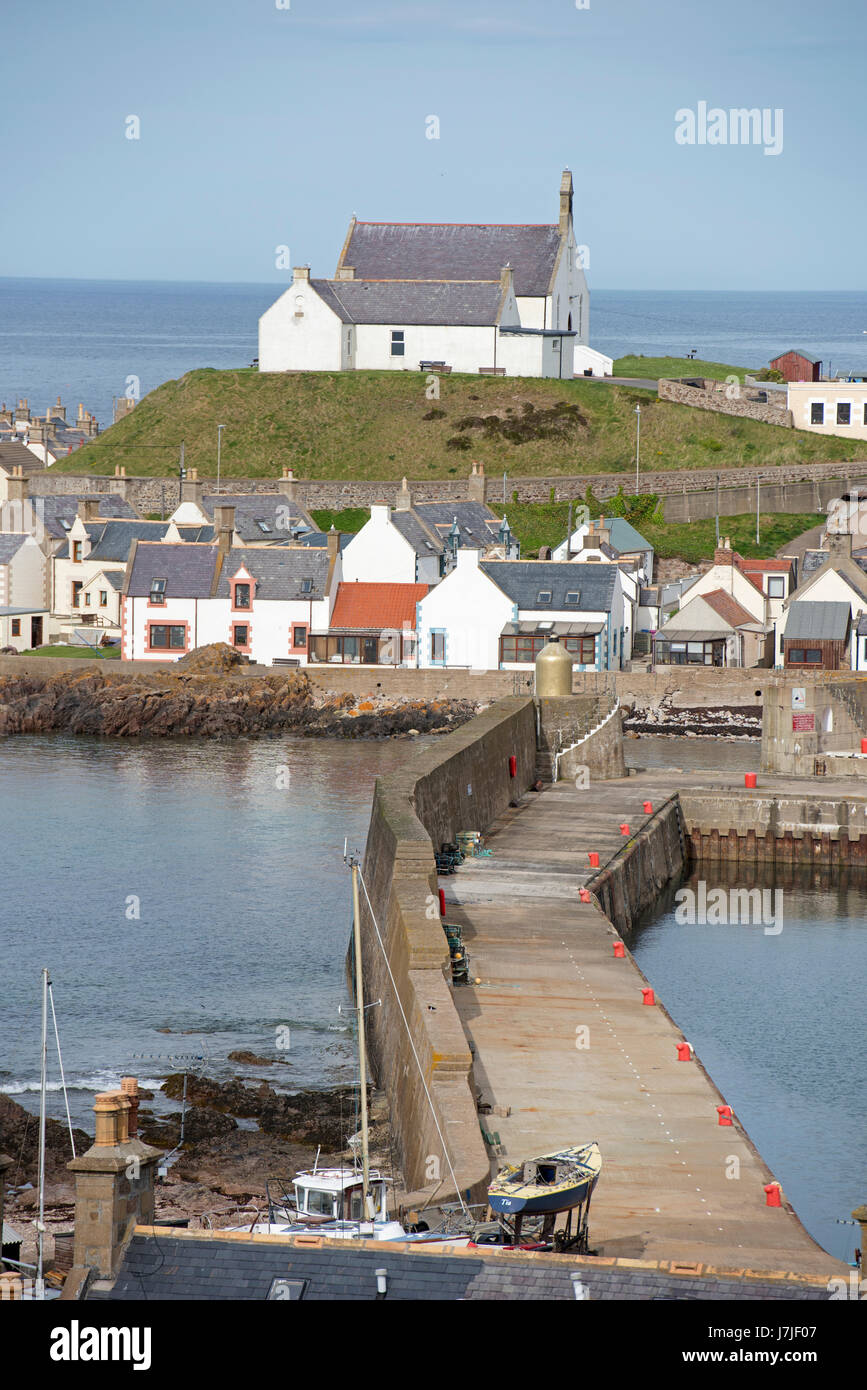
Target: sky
column 265, row 124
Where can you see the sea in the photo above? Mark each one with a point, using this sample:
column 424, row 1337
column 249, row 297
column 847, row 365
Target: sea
column 92, row 341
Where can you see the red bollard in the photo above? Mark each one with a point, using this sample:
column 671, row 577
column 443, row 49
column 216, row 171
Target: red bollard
column 684, row 1052
column 619, row 950
column 584, row 894
column 772, row 1195
column 725, row 1114
column 649, row 996
column 749, row 779
column 442, row 902
column 513, row 765
column 624, row 829
column 594, row 859
column 648, row 808
column 864, row 745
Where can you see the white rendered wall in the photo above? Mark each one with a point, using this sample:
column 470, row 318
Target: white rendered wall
column 312, row 343
column 378, row 554
column 473, row 612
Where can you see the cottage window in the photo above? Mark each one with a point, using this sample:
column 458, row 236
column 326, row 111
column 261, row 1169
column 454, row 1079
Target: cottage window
column 525, row 647
column 165, row 636
column 242, row 596
column 438, row 648
column 239, row 635
column 813, row 656
column 158, row 591
column 398, row 344
column 776, row 586
column 555, row 344
column 103, row 598
column 87, row 600
column 299, row 637
column 16, row 627
column 865, row 412
column 817, row 412
column 76, row 593
column 844, row 412
column 76, row 552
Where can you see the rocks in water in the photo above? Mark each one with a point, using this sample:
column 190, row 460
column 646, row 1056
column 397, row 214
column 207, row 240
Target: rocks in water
column 209, row 701
column 308, row 1117
column 19, row 1138
column 249, row 1059
column 720, row 721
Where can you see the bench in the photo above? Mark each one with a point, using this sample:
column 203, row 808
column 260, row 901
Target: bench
column 434, row 367
column 285, row 661
column 492, row 371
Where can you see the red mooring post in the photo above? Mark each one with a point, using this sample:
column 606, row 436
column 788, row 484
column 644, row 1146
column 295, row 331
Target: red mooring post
column 584, row 894
column 649, row 996
column 648, row 808
column 725, row 1114
column 513, row 765
column 772, row 1195
column 619, row 950
column 442, row 892
column 684, row 1052
column 594, row 859
column 624, row 829
column 749, row 780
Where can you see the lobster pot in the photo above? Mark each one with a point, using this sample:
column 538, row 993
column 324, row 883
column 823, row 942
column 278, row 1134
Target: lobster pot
column 468, row 841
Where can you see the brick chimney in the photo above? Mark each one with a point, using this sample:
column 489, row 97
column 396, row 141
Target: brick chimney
column 476, row 483
column 191, row 488
column 301, row 272
column 120, row 482
column 224, row 527
column 114, row 1188
column 403, row 502
column 288, row 483
column 88, row 508
column 333, row 543
column 839, row 545
column 345, row 272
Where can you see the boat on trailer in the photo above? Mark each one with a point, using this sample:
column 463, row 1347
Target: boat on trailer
column 543, row 1188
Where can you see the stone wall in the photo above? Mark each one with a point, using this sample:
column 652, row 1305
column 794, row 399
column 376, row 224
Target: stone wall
column 688, row 494
column 634, row 877
column 461, row 783
column 837, row 712
column 763, row 827
column 580, row 734
column 714, row 395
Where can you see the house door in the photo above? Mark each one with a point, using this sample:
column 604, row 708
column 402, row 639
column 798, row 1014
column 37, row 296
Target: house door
column 369, row 650
column 36, row 632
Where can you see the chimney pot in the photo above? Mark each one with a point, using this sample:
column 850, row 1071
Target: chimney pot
column 105, row 1109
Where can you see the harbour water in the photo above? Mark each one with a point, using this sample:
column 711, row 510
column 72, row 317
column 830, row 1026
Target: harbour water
column 777, row 1019
column 85, row 339
column 189, row 899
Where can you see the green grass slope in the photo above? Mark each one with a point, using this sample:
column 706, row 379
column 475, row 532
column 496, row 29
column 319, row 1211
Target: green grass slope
column 382, row 425
column 655, row 367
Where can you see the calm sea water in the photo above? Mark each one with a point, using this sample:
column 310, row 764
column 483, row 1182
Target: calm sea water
column 83, row 339
column 243, row 902
column 778, row 1021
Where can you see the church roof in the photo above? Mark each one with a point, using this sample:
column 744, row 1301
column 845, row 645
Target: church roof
column 472, row 303
column 453, row 251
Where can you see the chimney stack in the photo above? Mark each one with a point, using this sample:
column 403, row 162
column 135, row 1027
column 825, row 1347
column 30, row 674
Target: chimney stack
column 191, row 488
column 88, row 508
column 287, row 484
column 114, row 1188
column 16, row 485
column 224, row 527
column 476, row 483
column 404, row 498
column 565, row 201
column 839, row 545
column 120, row 483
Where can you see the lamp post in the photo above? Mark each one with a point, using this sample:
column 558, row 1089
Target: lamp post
column 220, row 429
column 637, row 442
column 758, row 495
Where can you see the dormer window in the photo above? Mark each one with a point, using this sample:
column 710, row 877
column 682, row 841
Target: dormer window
column 76, row 552
column 544, row 597
column 241, row 595
column 158, row 591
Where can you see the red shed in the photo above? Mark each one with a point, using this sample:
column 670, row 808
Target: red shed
column 795, row 366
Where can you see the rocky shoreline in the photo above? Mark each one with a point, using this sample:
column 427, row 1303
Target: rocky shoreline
column 236, row 1136
column 721, row 721
column 206, row 700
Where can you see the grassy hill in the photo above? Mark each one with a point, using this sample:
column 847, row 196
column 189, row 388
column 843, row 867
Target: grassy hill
column 655, row 367
column 382, row 425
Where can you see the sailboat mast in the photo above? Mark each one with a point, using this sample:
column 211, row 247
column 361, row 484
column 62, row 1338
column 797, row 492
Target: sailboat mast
column 362, row 1050
column 40, row 1229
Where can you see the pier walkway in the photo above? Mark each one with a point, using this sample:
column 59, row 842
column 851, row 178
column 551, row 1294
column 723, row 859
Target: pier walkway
column 547, row 970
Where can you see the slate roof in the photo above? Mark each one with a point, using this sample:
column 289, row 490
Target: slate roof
column 462, row 303
column 454, row 251
column 813, row 560
column 364, row 607
column 320, row 539
column 187, row 1266
column 477, row 522
column 522, row 581
column 10, row 544
column 112, row 540
column 822, row 621
column 623, row 535
column 14, row 454
column 274, row 508
column 188, row 569
column 280, row 573
column 424, row 540
column 62, row 505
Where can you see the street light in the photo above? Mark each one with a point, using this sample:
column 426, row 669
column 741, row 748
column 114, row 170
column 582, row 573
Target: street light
column 220, row 429
column 637, row 441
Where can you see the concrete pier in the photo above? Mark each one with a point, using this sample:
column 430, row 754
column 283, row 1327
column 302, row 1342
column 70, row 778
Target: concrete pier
column 566, row 1052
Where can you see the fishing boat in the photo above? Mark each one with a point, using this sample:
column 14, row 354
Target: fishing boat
column 544, row 1188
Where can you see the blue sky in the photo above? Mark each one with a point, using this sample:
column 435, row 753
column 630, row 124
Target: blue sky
column 263, row 126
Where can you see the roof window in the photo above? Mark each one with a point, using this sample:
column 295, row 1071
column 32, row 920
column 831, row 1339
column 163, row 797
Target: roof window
column 544, row 596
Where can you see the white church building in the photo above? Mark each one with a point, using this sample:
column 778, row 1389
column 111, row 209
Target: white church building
column 504, row 300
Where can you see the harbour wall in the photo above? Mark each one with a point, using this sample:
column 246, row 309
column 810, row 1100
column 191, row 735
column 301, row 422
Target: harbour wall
column 765, row 827
column 634, row 877
column 463, row 782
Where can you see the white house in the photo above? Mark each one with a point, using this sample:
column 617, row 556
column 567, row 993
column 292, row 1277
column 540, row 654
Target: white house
column 839, row 581
column 490, row 615
column 830, row 407
column 505, row 299
column 624, row 542
column 23, row 611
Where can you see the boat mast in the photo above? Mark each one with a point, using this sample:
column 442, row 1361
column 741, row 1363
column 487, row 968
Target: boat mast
column 40, row 1228
column 362, row 1058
